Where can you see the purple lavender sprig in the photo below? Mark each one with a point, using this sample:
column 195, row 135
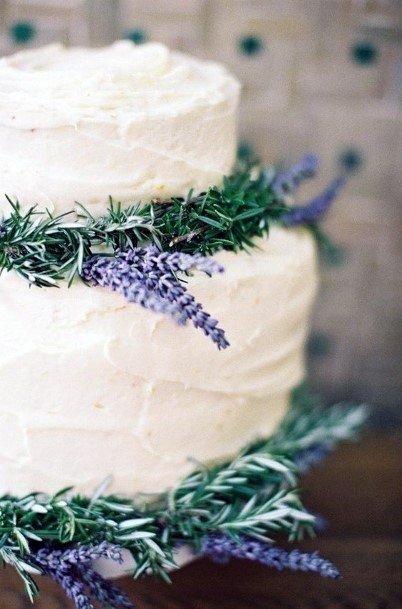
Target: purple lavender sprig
column 54, row 558
column 124, row 278
column 174, row 262
column 316, row 208
column 166, row 285
column 221, row 548
column 73, row 588
column 72, row 570
column 103, row 591
column 287, row 181
column 147, row 277
column 310, row 457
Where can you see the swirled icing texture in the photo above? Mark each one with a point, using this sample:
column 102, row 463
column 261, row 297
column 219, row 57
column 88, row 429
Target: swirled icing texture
column 91, row 385
column 133, row 122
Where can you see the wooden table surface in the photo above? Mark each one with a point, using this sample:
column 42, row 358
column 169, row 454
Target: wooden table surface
column 359, row 489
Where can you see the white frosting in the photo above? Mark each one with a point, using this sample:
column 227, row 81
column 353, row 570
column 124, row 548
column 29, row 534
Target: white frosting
column 134, row 122
column 92, row 386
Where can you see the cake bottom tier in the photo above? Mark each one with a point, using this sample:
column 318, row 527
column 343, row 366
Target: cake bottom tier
column 92, row 386
column 145, row 454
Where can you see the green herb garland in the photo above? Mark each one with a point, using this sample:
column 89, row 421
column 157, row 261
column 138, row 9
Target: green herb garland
column 45, row 249
column 254, row 495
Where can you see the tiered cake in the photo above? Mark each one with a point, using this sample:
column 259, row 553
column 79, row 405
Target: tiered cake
column 90, row 385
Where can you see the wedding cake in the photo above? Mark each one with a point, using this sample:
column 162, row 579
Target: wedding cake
column 155, row 294
column 99, row 385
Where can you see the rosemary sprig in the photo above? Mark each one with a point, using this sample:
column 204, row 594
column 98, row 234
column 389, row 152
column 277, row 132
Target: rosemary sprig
column 255, row 495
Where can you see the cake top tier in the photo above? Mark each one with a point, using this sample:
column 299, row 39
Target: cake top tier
column 131, row 122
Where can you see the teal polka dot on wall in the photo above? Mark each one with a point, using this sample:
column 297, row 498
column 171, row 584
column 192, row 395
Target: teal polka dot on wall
column 350, row 159
column 364, row 52
column 251, row 45
column 319, row 345
column 137, row 35
column 245, row 150
column 333, row 256
column 22, row 32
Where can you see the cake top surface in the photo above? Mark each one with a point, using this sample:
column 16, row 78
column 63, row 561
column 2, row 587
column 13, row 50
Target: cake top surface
column 55, row 85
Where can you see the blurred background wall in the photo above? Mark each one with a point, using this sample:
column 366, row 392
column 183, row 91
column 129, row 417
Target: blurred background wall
column 318, row 75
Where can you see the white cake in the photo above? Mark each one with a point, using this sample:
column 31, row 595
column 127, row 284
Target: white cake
column 90, row 385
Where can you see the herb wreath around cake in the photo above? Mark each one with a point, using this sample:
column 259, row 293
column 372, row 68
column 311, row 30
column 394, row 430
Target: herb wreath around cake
column 154, row 307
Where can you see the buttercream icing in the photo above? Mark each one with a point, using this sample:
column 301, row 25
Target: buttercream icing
column 134, row 122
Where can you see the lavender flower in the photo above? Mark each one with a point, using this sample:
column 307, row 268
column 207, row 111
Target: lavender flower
column 74, row 589
column 124, row 278
column 62, row 559
column 311, row 212
column 287, row 181
column 3, row 229
column 310, row 457
column 178, row 261
column 221, row 548
column 147, row 277
column 166, row 285
column 103, row 591
column 72, row 570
